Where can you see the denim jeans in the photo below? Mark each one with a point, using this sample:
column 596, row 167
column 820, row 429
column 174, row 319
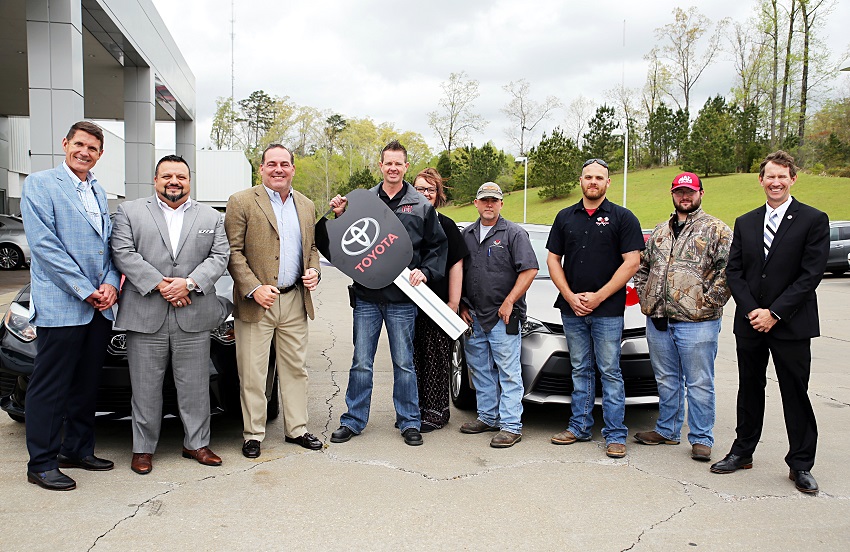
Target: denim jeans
column 493, row 360
column 596, row 340
column 683, row 357
column 400, row 320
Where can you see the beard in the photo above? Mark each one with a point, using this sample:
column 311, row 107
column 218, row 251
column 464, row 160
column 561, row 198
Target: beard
column 173, row 195
column 594, row 193
column 695, row 204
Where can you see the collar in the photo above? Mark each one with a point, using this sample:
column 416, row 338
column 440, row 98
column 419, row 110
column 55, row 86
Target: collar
column 401, row 193
column 75, row 179
column 273, row 193
column 166, row 207
column 779, row 210
column 604, row 206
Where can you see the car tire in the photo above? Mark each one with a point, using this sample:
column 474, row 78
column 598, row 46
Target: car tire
column 273, row 403
column 838, row 272
column 11, row 257
column 19, row 419
column 463, row 396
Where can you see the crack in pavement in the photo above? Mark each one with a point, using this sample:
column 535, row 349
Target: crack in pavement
column 663, row 521
column 139, row 507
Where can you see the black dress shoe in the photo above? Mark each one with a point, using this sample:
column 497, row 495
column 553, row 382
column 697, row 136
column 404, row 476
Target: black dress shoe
column 732, row 462
column 804, row 481
column 251, row 448
column 308, row 441
column 91, row 463
column 342, row 435
column 52, row 480
column 412, row 436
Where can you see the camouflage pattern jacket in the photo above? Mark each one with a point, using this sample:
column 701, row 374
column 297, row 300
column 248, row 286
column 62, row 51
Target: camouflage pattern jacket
column 684, row 278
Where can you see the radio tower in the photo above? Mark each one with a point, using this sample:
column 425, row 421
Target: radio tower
column 232, row 74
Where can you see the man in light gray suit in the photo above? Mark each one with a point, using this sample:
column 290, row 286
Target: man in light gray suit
column 171, row 250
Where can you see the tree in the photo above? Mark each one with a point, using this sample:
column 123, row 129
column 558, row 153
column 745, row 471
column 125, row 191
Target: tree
column 475, row 166
column 809, row 12
column 525, row 112
column 257, row 114
column 364, row 178
column 224, row 120
column 578, row 113
column 455, row 118
column 711, row 146
column 599, row 140
column 554, row 165
column 680, row 45
column 334, row 125
column 306, row 130
column 661, row 135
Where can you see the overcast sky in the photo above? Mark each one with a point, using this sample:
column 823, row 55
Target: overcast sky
column 386, row 60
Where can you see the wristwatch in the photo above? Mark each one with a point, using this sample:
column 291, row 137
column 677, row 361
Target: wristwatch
column 190, row 284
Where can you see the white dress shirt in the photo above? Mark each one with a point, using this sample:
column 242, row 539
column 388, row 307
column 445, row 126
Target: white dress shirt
column 174, row 220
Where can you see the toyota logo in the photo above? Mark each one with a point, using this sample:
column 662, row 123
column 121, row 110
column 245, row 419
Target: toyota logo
column 118, row 344
column 360, row 236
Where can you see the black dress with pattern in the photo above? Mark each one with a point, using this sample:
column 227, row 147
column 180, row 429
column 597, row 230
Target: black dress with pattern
column 432, row 348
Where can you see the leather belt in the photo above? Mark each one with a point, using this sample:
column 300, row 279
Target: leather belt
column 287, row 289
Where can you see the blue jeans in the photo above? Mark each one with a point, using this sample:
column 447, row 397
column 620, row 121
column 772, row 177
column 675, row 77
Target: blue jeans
column 683, row 357
column 596, row 339
column 493, row 360
column 400, row 320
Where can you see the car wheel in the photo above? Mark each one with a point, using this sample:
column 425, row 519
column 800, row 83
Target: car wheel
column 463, row 396
column 19, row 419
column 273, row 404
column 11, row 257
column 838, row 272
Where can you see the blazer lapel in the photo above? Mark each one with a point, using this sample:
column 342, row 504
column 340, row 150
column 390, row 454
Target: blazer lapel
column 188, row 225
column 156, row 212
column 70, row 190
column 265, row 205
column 784, row 225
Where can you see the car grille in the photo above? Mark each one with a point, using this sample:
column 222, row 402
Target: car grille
column 7, row 383
column 554, row 384
column 628, row 333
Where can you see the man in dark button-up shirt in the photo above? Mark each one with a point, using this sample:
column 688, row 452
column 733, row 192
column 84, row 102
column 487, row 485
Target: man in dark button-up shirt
column 500, row 268
column 600, row 245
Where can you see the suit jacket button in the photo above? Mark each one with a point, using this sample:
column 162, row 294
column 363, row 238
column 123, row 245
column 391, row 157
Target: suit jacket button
column 175, row 264
column 276, row 258
column 764, row 276
column 100, row 252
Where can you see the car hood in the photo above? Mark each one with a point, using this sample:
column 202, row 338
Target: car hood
column 541, row 305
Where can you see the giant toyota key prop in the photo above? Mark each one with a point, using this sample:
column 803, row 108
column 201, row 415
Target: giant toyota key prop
column 370, row 245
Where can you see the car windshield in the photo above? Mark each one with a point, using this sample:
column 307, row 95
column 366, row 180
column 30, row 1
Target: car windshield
column 538, row 243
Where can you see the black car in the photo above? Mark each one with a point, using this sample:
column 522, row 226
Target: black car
column 18, row 347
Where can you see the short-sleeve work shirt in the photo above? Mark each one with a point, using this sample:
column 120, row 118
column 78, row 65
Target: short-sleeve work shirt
column 592, row 248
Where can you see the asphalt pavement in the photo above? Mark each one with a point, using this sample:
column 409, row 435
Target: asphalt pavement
column 454, row 492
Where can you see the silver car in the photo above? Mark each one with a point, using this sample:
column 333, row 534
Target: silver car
column 546, row 368
column 14, row 249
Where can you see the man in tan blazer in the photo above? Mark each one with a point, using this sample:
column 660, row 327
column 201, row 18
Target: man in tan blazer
column 275, row 266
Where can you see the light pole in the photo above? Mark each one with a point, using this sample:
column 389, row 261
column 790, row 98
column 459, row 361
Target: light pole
column 524, row 159
column 625, row 134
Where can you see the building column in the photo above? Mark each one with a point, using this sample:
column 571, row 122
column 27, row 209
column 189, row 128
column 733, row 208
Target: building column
column 139, row 131
column 55, row 63
column 5, row 160
column 185, row 147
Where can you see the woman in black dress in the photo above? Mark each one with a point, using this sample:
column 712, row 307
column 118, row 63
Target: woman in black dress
column 432, row 348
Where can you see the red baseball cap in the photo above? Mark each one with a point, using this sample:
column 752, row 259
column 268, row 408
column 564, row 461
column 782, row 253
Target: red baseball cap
column 687, row 180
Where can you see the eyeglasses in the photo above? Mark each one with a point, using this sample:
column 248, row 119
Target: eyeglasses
column 595, row 160
column 681, row 192
column 426, row 191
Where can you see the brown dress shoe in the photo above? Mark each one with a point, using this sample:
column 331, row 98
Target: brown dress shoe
column 203, row 455
column 701, row 453
column 615, row 450
column 476, row 427
column 653, row 438
column 142, row 463
column 505, row 439
column 566, row 437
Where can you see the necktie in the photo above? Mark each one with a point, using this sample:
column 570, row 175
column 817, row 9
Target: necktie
column 770, row 232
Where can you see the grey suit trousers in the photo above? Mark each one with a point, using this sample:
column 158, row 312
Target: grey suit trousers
column 148, row 355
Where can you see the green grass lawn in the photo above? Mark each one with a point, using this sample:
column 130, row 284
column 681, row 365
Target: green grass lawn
column 725, row 197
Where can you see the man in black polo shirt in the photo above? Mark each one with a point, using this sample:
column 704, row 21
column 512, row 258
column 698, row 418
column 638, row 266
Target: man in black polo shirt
column 600, row 245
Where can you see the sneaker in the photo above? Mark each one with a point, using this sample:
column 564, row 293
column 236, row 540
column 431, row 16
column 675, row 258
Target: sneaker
column 701, row 453
column 653, row 438
column 505, row 439
column 615, row 450
column 477, row 427
column 566, row 437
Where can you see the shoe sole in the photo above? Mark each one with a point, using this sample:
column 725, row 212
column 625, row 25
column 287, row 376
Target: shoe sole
column 65, row 466
column 744, row 467
column 699, row 458
column 308, row 447
column 35, row 481
column 615, row 454
column 141, row 472
column 807, row 491
column 187, row 455
column 476, row 432
column 505, row 445
column 652, row 443
column 564, row 442
column 413, row 443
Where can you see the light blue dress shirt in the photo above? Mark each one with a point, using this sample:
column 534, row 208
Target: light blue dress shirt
column 289, row 231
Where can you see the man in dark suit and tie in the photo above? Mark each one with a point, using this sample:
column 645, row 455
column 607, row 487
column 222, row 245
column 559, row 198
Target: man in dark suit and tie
column 777, row 259
column 73, row 288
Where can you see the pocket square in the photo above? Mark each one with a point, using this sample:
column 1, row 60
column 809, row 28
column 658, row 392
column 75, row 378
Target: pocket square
column 205, row 231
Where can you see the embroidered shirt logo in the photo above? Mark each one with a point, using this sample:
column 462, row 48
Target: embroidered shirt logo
column 407, row 208
column 602, row 221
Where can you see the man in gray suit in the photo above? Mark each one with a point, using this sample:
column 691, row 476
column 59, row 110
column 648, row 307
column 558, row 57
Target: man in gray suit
column 171, row 250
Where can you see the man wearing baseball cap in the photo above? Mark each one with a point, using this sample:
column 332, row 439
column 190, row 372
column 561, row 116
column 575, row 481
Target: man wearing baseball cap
column 499, row 270
column 682, row 288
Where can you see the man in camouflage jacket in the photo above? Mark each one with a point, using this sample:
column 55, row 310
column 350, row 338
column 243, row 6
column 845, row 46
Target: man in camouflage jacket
column 682, row 287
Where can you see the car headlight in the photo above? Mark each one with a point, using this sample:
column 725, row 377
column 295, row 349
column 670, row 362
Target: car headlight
column 17, row 322
column 225, row 334
column 532, row 325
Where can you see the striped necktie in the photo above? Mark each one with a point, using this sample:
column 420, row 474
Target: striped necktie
column 770, row 232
